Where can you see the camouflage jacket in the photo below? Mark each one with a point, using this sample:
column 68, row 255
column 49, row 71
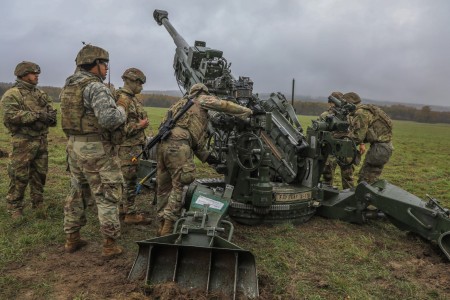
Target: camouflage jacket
column 98, row 103
column 135, row 134
column 21, row 107
column 192, row 125
column 370, row 124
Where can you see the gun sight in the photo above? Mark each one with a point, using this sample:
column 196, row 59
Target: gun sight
column 335, row 101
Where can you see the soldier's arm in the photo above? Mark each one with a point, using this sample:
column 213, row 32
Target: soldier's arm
column 132, row 127
column 200, row 150
column 359, row 126
column 214, row 103
column 109, row 115
column 49, row 108
column 14, row 112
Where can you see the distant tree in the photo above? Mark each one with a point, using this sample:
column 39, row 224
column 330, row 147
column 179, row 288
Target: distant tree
column 302, row 107
column 424, row 115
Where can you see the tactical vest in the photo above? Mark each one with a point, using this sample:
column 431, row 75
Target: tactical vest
column 32, row 101
column 74, row 119
column 380, row 130
column 193, row 121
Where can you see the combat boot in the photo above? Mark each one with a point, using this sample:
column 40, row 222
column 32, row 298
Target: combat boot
column 37, row 204
column 167, row 227
column 160, row 227
column 17, row 214
column 110, row 248
column 136, row 219
column 74, row 242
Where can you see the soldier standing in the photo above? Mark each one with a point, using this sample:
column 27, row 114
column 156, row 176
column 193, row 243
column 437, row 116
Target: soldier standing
column 175, row 156
column 331, row 163
column 91, row 120
column 28, row 113
column 370, row 124
column 135, row 126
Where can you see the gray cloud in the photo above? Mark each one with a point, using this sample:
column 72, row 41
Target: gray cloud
column 384, row 50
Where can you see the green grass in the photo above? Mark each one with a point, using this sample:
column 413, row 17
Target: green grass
column 322, row 259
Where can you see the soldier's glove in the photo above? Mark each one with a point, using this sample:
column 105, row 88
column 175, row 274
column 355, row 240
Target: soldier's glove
column 43, row 117
column 52, row 117
column 258, row 110
column 223, row 121
column 212, row 159
column 123, row 102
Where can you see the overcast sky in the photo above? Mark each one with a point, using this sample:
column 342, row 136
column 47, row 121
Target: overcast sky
column 382, row 49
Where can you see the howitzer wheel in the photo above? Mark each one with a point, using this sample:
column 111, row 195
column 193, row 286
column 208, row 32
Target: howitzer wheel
column 249, row 151
column 295, row 213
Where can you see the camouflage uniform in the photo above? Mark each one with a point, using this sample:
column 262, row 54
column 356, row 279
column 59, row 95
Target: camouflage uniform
column 90, row 118
column 175, row 156
column 331, row 163
column 370, row 124
column 23, row 107
column 131, row 147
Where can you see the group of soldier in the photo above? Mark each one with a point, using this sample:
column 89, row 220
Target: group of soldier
column 105, row 129
column 368, row 124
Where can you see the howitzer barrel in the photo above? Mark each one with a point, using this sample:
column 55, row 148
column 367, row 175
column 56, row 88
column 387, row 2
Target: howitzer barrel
column 162, row 18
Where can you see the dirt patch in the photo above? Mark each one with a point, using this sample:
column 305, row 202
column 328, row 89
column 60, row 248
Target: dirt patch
column 86, row 275
column 50, row 273
column 81, row 274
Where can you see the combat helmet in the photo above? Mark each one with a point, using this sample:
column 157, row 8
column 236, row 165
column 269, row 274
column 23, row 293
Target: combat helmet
column 197, row 89
column 352, row 97
column 25, row 68
column 134, row 74
column 89, row 54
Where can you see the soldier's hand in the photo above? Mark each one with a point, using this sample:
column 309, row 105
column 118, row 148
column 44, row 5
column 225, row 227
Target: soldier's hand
column 258, row 110
column 43, row 116
column 362, row 148
column 52, row 116
column 143, row 123
column 212, row 159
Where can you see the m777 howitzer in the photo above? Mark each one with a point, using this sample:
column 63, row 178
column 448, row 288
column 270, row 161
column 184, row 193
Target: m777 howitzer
column 271, row 171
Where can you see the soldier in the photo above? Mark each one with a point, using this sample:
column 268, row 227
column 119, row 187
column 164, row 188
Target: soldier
column 175, row 156
column 28, row 113
column 91, row 119
column 370, row 124
column 135, row 126
column 331, row 163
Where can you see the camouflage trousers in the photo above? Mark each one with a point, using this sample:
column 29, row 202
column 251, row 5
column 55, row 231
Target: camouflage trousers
column 97, row 164
column 86, row 190
column 130, row 175
column 175, row 169
column 377, row 156
column 346, row 173
column 28, row 165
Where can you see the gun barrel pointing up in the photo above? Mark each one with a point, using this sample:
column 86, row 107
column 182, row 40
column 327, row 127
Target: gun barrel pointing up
column 162, row 18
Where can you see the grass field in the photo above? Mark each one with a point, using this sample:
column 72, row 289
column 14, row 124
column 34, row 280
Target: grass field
column 322, row 259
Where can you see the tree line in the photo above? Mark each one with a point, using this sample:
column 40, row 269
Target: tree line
column 396, row 112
